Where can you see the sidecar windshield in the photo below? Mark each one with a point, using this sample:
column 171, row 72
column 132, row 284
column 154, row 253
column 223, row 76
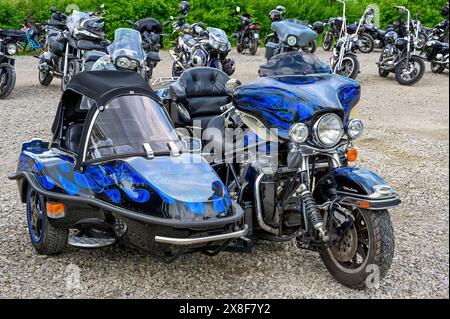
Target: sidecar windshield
column 75, row 19
column 218, row 34
column 126, row 125
column 127, row 43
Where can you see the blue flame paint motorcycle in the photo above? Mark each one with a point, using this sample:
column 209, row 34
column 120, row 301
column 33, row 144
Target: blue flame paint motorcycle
column 283, row 146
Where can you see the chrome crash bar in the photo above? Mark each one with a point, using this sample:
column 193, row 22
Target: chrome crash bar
column 201, row 240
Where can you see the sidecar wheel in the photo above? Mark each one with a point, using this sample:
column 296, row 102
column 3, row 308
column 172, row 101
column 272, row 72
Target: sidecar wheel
column 365, row 250
column 45, row 238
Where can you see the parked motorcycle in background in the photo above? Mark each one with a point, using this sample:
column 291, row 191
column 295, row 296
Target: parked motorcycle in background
column 436, row 53
column 365, row 42
column 398, row 56
column 68, row 45
column 197, row 46
column 7, row 62
column 276, row 16
column 344, row 60
column 440, row 31
column 152, row 41
column 248, row 34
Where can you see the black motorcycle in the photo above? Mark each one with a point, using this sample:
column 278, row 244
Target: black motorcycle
column 247, row 35
column 440, row 31
column 398, row 56
column 7, row 72
column 436, row 53
column 71, row 45
column 152, row 41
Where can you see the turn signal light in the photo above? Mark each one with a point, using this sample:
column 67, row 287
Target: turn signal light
column 55, row 210
column 352, row 155
column 364, row 204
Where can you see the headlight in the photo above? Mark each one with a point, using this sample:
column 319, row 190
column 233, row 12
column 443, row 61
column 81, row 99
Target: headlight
column 215, row 45
column 355, row 129
column 134, row 64
column 11, row 48
column 223, row 47
column 292, row 40
column 123, row 63
column 298, row 133
column 328, row 130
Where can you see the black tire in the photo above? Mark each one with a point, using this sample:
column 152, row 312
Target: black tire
column 437, row 68
column 239, row 48
column 45, row 78
column 383, row 73
column 254, row 47
column 51, row 240
column 416, row 78
column 7, row 80
column 355, row 67
column 369, row 43
column 380, row 245
column 327, row 45
column 311, row 47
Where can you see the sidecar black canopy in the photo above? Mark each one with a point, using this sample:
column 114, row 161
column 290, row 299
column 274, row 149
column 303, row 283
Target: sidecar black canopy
column 102, row 86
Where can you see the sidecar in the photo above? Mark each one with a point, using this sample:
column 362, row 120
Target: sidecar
column 116, row 170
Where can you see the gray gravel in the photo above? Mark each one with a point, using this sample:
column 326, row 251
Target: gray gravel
column 406, row 140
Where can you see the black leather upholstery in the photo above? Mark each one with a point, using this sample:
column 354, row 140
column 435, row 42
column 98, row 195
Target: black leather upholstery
column 73, row 137
column 93, row 55
column 202, row 92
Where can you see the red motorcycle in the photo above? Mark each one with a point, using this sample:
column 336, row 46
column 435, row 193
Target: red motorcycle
column 247, row 35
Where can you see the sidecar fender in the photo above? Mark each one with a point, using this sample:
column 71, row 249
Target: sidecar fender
column 360, row 188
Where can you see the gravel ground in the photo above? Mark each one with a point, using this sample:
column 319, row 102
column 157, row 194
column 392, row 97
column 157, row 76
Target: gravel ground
column 406, row 141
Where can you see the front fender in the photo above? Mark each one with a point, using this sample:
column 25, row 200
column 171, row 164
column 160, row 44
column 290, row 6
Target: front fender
column 360, row 188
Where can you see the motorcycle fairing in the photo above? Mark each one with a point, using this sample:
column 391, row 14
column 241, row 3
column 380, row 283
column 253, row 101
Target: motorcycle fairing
column 183, row 188
column 291, row 99
column 303, row 33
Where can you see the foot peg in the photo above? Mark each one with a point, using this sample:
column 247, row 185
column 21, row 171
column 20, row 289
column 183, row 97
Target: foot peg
column 91, row 239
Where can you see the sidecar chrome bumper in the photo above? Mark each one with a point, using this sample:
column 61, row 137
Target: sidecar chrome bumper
column 201, row 240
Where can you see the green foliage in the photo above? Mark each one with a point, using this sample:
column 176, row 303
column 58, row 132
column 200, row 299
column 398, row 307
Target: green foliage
column 217, row 13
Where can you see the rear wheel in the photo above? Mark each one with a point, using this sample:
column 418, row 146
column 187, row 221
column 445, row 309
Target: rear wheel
column 254, row 47
column 364, row 254
column 349, row 68
column 367, row 43
column 176, row 70
column 45, row 238
column 7, row 80
column 410, row 71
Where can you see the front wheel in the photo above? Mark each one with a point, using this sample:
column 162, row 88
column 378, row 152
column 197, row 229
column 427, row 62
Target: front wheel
column 7, row 80
column 327, row 43
column 71, row 71
column 311, row 47
column 410, row 71
column 45, row 238
column 350, row 67
column 45, row 77
column 436, row 67
column 363, row 255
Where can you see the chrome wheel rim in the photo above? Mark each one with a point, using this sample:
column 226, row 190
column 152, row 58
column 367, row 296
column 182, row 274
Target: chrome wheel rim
column 410, row 70
column 350, row 254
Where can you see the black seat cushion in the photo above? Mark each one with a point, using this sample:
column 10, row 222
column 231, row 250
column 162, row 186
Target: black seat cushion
column 93, row 56
column 202, row 91
column 73, row 137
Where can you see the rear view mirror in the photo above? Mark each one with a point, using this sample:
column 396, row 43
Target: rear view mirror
column 232, row 85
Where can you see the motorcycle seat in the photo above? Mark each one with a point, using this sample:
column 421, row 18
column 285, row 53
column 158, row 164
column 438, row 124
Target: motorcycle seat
column 442, row 45
column 90, row 45
column 202, row 91
column 73, row 136
column 93, row 56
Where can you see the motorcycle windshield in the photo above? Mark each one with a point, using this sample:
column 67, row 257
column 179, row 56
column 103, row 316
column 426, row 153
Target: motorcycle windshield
column 294, row 63
column 284, row 29
column 130, row 126
column 75, row 19
column 127, row 43
column 218, row 34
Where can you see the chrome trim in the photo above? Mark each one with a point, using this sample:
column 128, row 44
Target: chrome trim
column 377, row 204
column 88, row 134
column 316, row 130
column 259, row 216
column 201, row 240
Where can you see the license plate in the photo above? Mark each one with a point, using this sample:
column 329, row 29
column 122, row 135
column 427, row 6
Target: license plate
column 256, row 36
